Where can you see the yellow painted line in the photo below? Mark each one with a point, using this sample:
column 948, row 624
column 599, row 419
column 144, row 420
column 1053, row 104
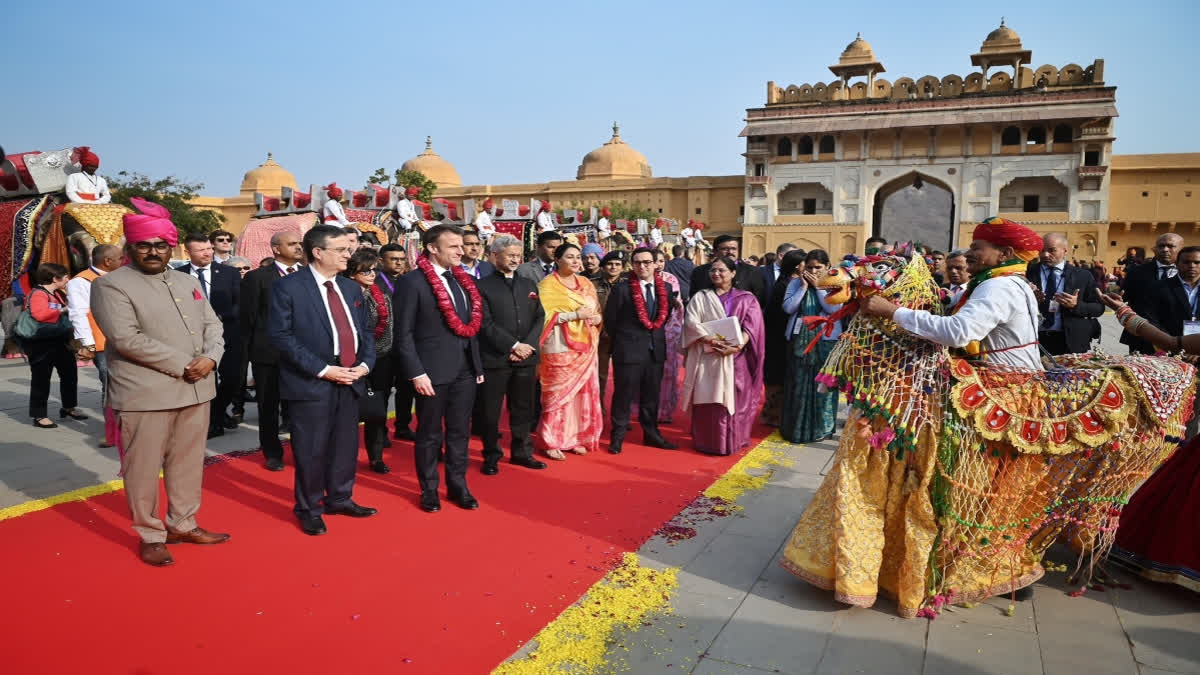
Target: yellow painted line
column 81, row 494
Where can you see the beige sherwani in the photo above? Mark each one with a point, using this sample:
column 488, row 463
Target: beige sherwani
column 155, row 325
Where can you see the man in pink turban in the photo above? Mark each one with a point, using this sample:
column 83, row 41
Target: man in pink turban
column 163, row 342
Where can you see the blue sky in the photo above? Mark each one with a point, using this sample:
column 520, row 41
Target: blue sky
column 515, row 92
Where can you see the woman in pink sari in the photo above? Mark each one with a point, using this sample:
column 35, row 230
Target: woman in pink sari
column 571, row 416
column 668, row 395
column 723, row 384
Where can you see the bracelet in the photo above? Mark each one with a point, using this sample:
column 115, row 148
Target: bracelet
column 1134, row 324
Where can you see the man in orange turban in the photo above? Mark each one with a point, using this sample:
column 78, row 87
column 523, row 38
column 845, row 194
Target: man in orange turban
column 997, row 317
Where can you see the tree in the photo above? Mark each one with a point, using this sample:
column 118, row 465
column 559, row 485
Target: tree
column 174, row 194
column 406, row 178
column 632, row 211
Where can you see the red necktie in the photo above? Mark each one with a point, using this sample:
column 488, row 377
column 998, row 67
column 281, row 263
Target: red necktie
column 342, row 323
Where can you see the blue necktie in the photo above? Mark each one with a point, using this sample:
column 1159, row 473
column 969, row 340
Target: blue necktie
column 203, row 283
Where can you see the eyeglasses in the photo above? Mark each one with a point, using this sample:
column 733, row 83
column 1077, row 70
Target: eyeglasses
column 373, row 270
column 340, row 249
column 643, row 262
column 147, row 246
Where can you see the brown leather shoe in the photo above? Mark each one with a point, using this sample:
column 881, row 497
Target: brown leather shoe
column 156, row 554
column 198, row 535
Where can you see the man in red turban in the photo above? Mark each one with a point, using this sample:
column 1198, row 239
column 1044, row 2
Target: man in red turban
column 85, row 187
column 406, row 211
column 483, row 222
column 997, row 317
column 545, row 218
column 332, row 212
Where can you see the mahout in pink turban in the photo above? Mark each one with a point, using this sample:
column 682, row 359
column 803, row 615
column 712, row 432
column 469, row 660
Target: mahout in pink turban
column 154, row 221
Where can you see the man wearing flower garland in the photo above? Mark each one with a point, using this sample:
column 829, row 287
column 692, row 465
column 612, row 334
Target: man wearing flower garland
column 437, row 348
column 634, row 316
column 997, row 316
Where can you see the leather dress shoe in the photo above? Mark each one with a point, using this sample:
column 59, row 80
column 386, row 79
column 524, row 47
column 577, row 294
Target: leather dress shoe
column 379, row 466
column 229, row 423
column 213, row 432
column 657, row 441
column 404, row 434
column 351, row 509
column 614, row 445
column 197, row 535
column 490, row 467
column 465, row 501
column 313, row 526
column 274, row 464
column 238, row 416
column 155, row 553
column 430, row 502
column 528, row 462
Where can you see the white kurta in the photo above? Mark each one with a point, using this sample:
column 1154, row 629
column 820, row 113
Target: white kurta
column 656, row 238
column 82, row 184
column 484, row 226
column 604, row 227
column 407, row 213
column 689, row 237
column 333, row 214
column 545, row 221
column 1001, row 313
column 79, row 303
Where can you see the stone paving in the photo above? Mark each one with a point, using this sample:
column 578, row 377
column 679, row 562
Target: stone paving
column 737, row 611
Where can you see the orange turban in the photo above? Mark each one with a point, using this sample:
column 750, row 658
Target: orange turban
column 1004, row 232
column 153, row 221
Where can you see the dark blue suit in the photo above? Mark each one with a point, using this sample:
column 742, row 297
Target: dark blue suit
column 324, row 415
column 224, row 294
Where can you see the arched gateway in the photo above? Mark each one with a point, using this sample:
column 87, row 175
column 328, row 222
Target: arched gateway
column 916, row 208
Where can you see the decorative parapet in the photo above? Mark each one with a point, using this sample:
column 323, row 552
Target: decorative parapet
column 1091, row 177
column 758, row 180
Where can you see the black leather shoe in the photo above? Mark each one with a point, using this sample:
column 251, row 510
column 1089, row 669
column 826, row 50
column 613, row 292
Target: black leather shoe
column 614, row 445
column 313, row 526
column 528, row 462
column 274, row 464
column 404, row 434
column 378, row 466
column 351, row 509
column 490, row 467
column 430, row 502
column 465, row 501
column 238, row 416
column 657, row 441
column 229, row 423
column 213, row 432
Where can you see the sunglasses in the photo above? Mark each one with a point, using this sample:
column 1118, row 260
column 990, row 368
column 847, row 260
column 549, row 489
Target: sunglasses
column 222, row 239
column 373, row 270
column 244, row 269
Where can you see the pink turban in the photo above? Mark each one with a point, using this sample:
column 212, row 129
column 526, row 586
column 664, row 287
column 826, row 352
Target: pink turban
column 153, row 221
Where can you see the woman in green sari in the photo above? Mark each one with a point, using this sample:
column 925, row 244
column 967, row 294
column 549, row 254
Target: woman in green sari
column 809, row 412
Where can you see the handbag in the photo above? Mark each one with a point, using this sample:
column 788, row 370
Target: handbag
column 372, row 405
column 29, row 328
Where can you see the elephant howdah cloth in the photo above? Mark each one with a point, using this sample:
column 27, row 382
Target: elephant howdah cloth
column 255, row 242
column 18, row 224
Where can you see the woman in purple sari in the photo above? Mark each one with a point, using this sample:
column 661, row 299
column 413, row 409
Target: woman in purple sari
column 723, row 385
column 668, row 398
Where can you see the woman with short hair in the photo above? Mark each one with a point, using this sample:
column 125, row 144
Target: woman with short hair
column 362, row 269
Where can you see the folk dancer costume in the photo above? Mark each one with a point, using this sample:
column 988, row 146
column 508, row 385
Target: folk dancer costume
column 545, row 218
column 85, row 188
column 483, row 223
column 332, row 212
column 942, row 495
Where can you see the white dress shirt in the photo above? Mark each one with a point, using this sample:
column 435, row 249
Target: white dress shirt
column 221, row 260
column 1158, row 271
column 283, row 269
column 603, row 226
column 1191, row 295
column 1001, row 313
column 545, row 221
column 96, row 186
column 333, row 213
column 484, row 226
column 1056, row 322
column 956, row 291
column 204, row 273
column 79, row 303
column 407, row 213
column 323, row 292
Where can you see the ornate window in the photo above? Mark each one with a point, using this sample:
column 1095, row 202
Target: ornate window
column 1063, row 133
column 827, row 144
column 1036, row 136
column 1010, row 136
column 806, row 145
column 784, row 148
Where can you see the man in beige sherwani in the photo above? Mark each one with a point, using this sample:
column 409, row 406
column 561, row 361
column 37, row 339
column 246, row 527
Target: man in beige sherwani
column 164, row 341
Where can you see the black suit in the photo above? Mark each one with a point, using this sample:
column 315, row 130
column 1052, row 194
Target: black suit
column 424, row 345
column 746, row 278
column 637, row 356
column 1170, row 308
column 682, row 268
column 404, row 388
column 512, row 313
column 1079, row 325
column 1143, row 289
column 324, row 414
column 224, row 293
column 264, row 358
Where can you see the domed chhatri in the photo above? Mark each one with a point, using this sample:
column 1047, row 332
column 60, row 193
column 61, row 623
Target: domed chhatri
column 858, row 58
column 614, row 159
column 1003, row 38
column 267, row 178
column 1002, row 47
column 434, row 167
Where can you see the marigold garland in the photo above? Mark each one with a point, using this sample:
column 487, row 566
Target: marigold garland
column 446, row 306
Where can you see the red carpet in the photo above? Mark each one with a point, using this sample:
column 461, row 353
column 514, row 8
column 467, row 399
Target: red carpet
column 404, row 591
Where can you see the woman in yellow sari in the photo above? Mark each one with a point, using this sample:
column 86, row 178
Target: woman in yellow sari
column 571, row 416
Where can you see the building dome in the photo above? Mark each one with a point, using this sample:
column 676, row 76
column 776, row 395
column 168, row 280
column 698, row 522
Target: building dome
column 857, row 51
column 1001, row 38
column 614, row 159
column 434, row 167
column 267, row 178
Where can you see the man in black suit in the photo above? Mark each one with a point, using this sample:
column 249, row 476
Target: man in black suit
column 442, row 361
column 1176, row 311
column 512, row 323
column 264, row 358
column 393, row 264
column 317, row 321
column 638, row 351
column 682, row 268
column 747, row 277
column 770, row 272
column 1067, row 299
column 1146, row 283
column 221, row 284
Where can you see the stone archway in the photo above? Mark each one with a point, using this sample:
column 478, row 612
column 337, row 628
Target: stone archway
column 915, row 207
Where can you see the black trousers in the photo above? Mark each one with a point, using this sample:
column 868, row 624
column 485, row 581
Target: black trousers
column 44, row 358
column 266, row 387
column 445, row 417
column 380, row 378
column 325, row 446
column 518, row 386
column 1055, row 341
column 404, row 399
column 231, row 379
column 636, row 380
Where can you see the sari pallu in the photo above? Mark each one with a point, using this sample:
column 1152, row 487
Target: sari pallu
column 668, row 397
column 571, row 415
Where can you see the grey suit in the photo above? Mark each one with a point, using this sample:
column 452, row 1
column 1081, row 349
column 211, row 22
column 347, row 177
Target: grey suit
column 534, row 270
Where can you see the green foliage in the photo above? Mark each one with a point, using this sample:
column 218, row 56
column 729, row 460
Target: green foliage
column 405, row 178
column 173, row 193
column 632, row 211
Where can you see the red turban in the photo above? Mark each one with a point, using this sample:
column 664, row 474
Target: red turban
column 87, row 157
column 699, row 226
column 1004, row 232
column 605, row 212
column 153, row 221
column 488, row 204
column 334, row 191
column 660, row 222
column 412, row 192
column 545, row 206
